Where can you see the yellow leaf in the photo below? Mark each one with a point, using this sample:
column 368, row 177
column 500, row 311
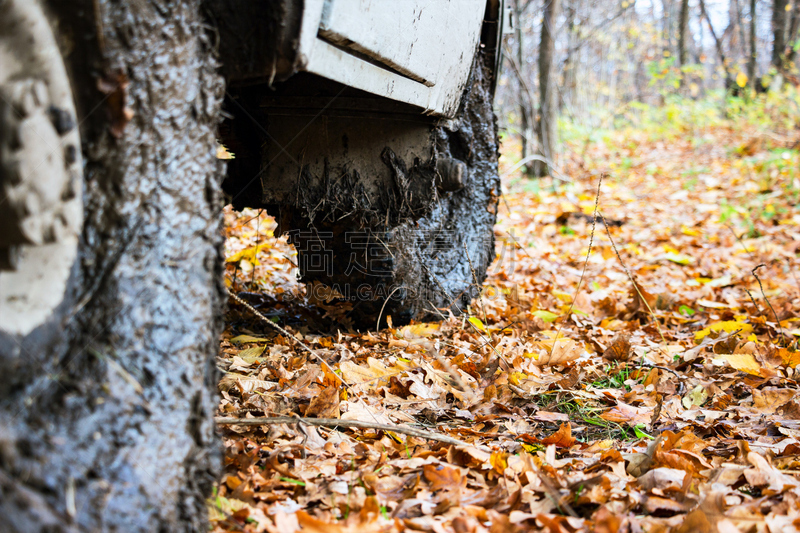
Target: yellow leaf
column 563, row 296
column 547, row 316
column 728, row 326
column 741, row 78
column 417, row 331
column 691, row 232
column 248, row 253
column 241, row 339
column 499, row 462
column 744, row 362
column 477, row 323
column 530, row 448
column 713, row 305
column 680, row 259
column 515, row 377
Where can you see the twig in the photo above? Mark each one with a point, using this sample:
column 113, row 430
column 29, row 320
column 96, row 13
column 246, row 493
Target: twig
column 310, row 350
column 630, row 277
column 337, row 423
column 740, row 242
column 378, row 324
column 585, row 263
column 255, row 255
column 524, row 251
column 777, row 320
column 666, row 368
column 756, row 306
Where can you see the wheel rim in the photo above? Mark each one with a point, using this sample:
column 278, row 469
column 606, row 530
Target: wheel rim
column 41, row 176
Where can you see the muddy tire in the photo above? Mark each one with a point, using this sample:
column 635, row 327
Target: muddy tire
column 419, row 269
column 106, row 400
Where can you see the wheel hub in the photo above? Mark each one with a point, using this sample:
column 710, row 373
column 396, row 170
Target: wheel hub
column 41, row 175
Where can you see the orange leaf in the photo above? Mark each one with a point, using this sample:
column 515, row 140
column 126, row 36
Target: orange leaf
column 790, row 359
column 562, row 438
column 442, row 477
column 499, row 462
column 627, row 414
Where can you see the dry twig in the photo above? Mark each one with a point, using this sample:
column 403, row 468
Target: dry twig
column 339, row 423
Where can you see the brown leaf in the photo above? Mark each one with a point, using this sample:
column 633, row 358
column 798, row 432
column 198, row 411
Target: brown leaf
column 619, row 349
column 656, row 504
column 547, row 416
column 769, row 399
column 115, row 87
column 695, row 522
column 325, row 405
column 605, row 521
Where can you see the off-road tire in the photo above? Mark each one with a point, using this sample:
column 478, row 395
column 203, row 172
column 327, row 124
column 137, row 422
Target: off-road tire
column 106, row 408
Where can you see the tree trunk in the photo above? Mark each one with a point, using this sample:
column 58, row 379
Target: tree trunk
column 547, row 102
column 666, row 6
column 778, row 33
column 719, row 46
column 683, row 29
column 740, row 24
column 570, row 79
column 106, row 410
column 751, row 60
column 524, row 103
column 794, row 27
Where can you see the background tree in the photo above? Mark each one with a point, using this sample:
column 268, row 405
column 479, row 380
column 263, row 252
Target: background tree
column 609, row 54
column 524, row 94
column 779, row 33
column 753, row 51
column 547, row 120
column 683, row 30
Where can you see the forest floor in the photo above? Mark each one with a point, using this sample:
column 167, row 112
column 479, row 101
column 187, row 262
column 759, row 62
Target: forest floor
column 656, row 391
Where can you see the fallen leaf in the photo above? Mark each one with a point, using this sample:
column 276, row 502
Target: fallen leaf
column 325, row 405
column 619, row 349
column 696, row 396
column 442, row 477
column 562, row 438
column 741, row 361
column 546, row 316
column 728, row 326
column 564, row 351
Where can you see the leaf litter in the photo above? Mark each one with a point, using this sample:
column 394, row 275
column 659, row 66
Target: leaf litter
column 662, row 396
